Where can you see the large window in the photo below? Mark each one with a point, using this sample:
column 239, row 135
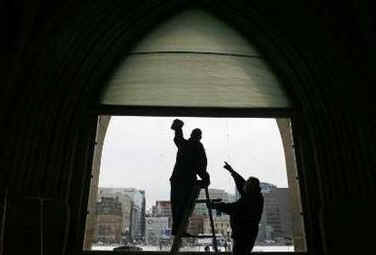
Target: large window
column 130, row 200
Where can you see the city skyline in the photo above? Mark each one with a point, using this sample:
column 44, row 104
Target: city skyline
column 145, row 145
column 168, row 199
column 275, row 224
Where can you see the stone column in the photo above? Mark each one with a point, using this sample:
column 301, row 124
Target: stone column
column 91, row 222
column 295, row 206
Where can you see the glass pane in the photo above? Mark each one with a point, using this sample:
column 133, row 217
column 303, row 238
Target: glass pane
column 130, row 204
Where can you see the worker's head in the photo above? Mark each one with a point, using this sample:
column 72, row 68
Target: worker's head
column 252, row 186
column 196, row 134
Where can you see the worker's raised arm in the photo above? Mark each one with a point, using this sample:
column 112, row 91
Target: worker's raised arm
column 238, row 179
column 177, row 127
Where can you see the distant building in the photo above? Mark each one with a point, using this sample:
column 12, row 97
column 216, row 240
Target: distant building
column 201, row 209
column 221, row 225
column 138, row 216
column 162, row 208
column 275, row 223
column 153, row 211
column 156, row 229
column 196, row 224
column 109, row 220
column 134, row 212
column 143, row 214
column 126, row 206
column 281, row 195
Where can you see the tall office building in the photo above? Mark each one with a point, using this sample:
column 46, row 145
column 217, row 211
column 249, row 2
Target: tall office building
column 109, row 220
column 134, row 213
column 126, row 206
column 156, row 229
column 162, row 208
column 143, row 214
column 275, row 222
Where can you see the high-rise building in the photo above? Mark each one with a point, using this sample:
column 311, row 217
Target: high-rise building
column 153, row 211
column 143, row 214
column 275, row 221
column 109, row 220
column 281, row 195
column 156, row 229
column 126, row 206
column 162, row 208
column 138, row 212
column 134, row 212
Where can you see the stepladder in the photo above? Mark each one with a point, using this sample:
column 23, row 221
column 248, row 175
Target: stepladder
column 182, row 228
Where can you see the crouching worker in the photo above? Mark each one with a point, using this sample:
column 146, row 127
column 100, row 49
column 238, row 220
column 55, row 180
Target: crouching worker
column 245, row 213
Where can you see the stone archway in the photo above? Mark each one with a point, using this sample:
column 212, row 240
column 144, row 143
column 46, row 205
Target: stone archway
column 157, row 65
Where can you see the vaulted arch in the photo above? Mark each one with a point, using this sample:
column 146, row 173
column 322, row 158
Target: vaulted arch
column 195, row 60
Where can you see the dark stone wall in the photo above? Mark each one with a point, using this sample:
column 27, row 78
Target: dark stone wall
column 59, row 54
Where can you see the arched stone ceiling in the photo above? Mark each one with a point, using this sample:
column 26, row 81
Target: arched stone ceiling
column 195, row 60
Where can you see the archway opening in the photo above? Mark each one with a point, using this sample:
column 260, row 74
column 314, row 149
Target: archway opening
column 196, row 66
column 137, row 160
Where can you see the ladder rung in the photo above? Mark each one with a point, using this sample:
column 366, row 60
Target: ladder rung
column 205, row 200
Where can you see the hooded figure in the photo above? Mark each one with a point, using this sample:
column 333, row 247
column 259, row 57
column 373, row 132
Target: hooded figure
column 245, row 213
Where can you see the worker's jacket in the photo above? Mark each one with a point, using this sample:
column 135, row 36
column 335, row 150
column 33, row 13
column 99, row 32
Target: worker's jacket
column 245, row 213
column 190, row 160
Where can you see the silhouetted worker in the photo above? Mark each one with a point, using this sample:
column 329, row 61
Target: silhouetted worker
column 245, row 214
column 190, row 162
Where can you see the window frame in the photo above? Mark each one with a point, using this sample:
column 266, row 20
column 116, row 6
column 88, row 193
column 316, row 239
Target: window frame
column 151, row 111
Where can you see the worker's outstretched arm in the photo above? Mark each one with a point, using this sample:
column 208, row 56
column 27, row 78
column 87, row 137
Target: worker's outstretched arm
column 227, row 208
column 238, row 179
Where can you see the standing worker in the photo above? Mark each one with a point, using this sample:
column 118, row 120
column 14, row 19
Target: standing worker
column 245, row 213
column 190, row 161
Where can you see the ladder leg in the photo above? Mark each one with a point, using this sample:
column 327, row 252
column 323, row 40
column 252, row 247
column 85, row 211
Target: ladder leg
column 211, row 221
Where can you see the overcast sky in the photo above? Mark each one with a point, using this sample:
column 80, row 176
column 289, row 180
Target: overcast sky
column 139, row 152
